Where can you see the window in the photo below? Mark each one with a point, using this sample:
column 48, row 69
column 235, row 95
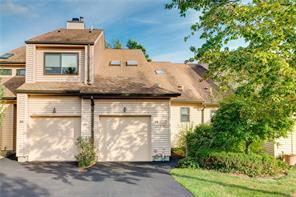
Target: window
column 6, row 56
column 115, row 63
column 61, row 63
column 160, row 71
column 5, row 72
column 185, row 114
column 132, row 63
column 20, row 72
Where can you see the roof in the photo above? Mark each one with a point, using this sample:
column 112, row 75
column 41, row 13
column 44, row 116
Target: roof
column 18, row 56
column 67, row 36
column 9, row 85
column 140, row 80
column 190, row 80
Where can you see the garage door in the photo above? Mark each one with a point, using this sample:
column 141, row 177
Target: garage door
column 124, row 139
column 53, row 138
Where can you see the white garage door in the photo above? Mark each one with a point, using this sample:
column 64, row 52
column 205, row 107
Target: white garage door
column 53, row 138
column 124, row 139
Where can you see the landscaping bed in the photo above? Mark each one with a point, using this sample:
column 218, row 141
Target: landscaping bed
column 203, row 182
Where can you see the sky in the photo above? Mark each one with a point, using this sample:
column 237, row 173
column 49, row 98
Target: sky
column 161, row 31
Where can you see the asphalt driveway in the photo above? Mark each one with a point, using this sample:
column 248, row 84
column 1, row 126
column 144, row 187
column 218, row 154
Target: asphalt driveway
column 105, row 179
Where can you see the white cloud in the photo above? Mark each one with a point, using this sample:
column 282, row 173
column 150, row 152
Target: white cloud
column 11, row 7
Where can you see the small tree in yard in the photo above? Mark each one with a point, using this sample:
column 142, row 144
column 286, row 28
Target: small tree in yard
column 87, row 154
column 261, row 73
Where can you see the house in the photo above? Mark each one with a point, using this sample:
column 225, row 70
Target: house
column 74, row 86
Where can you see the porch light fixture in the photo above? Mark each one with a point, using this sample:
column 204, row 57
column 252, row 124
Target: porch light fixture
column 54, row 110
column 124, row 109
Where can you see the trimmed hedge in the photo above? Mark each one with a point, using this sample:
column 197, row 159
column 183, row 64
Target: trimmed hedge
column 248, row 164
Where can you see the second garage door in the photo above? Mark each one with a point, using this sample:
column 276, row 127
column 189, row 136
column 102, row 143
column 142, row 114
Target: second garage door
column 125, row 138
column 53, row 138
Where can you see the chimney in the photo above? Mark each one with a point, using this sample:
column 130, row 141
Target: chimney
column 76, row 23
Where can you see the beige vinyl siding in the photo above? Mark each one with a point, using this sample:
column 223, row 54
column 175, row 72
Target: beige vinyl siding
column 269, row 148
column 177, row 125
column 30, row 62
column 22, row 121
column 158, row 110
column 7, row 134
column 64, row 105
column 208, row 114
column 286, row 145
column 39, row 71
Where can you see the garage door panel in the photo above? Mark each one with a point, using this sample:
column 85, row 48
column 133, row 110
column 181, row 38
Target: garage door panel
column 124, row 139
column 53, row 139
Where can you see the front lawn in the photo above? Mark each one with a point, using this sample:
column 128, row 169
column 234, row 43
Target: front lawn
column 212, row 183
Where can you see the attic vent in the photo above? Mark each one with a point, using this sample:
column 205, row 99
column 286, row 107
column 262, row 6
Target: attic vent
column 6, row 56
column 160, row 71
column 180, row 88
column 131, row 63
column 115, row 63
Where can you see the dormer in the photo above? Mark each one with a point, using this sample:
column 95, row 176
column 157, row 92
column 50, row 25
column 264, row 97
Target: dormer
column 63, row 55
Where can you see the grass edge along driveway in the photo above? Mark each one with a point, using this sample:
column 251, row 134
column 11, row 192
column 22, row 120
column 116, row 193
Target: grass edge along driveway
column 213, row 183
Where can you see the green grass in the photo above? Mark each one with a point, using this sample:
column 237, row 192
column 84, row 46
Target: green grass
column 212, row 183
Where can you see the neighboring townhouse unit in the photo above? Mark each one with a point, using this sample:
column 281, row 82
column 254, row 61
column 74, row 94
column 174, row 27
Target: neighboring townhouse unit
column 74, row 86
column 12, row 75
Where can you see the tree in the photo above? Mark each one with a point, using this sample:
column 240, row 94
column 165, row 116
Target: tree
column 263, row 70
column 116, row 44
column 132, row 44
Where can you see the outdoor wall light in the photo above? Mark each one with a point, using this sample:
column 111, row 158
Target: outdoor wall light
column 54, row 110
column 124, row 109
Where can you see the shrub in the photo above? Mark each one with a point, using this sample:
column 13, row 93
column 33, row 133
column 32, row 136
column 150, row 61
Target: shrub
column 87, row 154
column 202, row 137
column 185, row 129
column 179, row 152
column 249, row 164
column 188, row 162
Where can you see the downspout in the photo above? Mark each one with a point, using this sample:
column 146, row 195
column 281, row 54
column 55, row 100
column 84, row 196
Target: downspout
column 88, row 64
column 203, row 114
column 92, row 118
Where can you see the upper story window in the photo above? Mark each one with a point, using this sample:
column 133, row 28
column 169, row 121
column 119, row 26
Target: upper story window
column 185, row 114
column 20, row 72
column 6, row 72
column 61, row 63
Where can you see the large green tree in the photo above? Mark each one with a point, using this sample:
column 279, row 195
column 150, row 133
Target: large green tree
column 132, row 44
column 262, row 72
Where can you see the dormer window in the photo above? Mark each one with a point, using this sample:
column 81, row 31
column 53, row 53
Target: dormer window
column 131, row 63
column 61, row 63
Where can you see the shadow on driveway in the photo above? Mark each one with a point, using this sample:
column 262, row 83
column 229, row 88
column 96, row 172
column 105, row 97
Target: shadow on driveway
column 104, row 179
